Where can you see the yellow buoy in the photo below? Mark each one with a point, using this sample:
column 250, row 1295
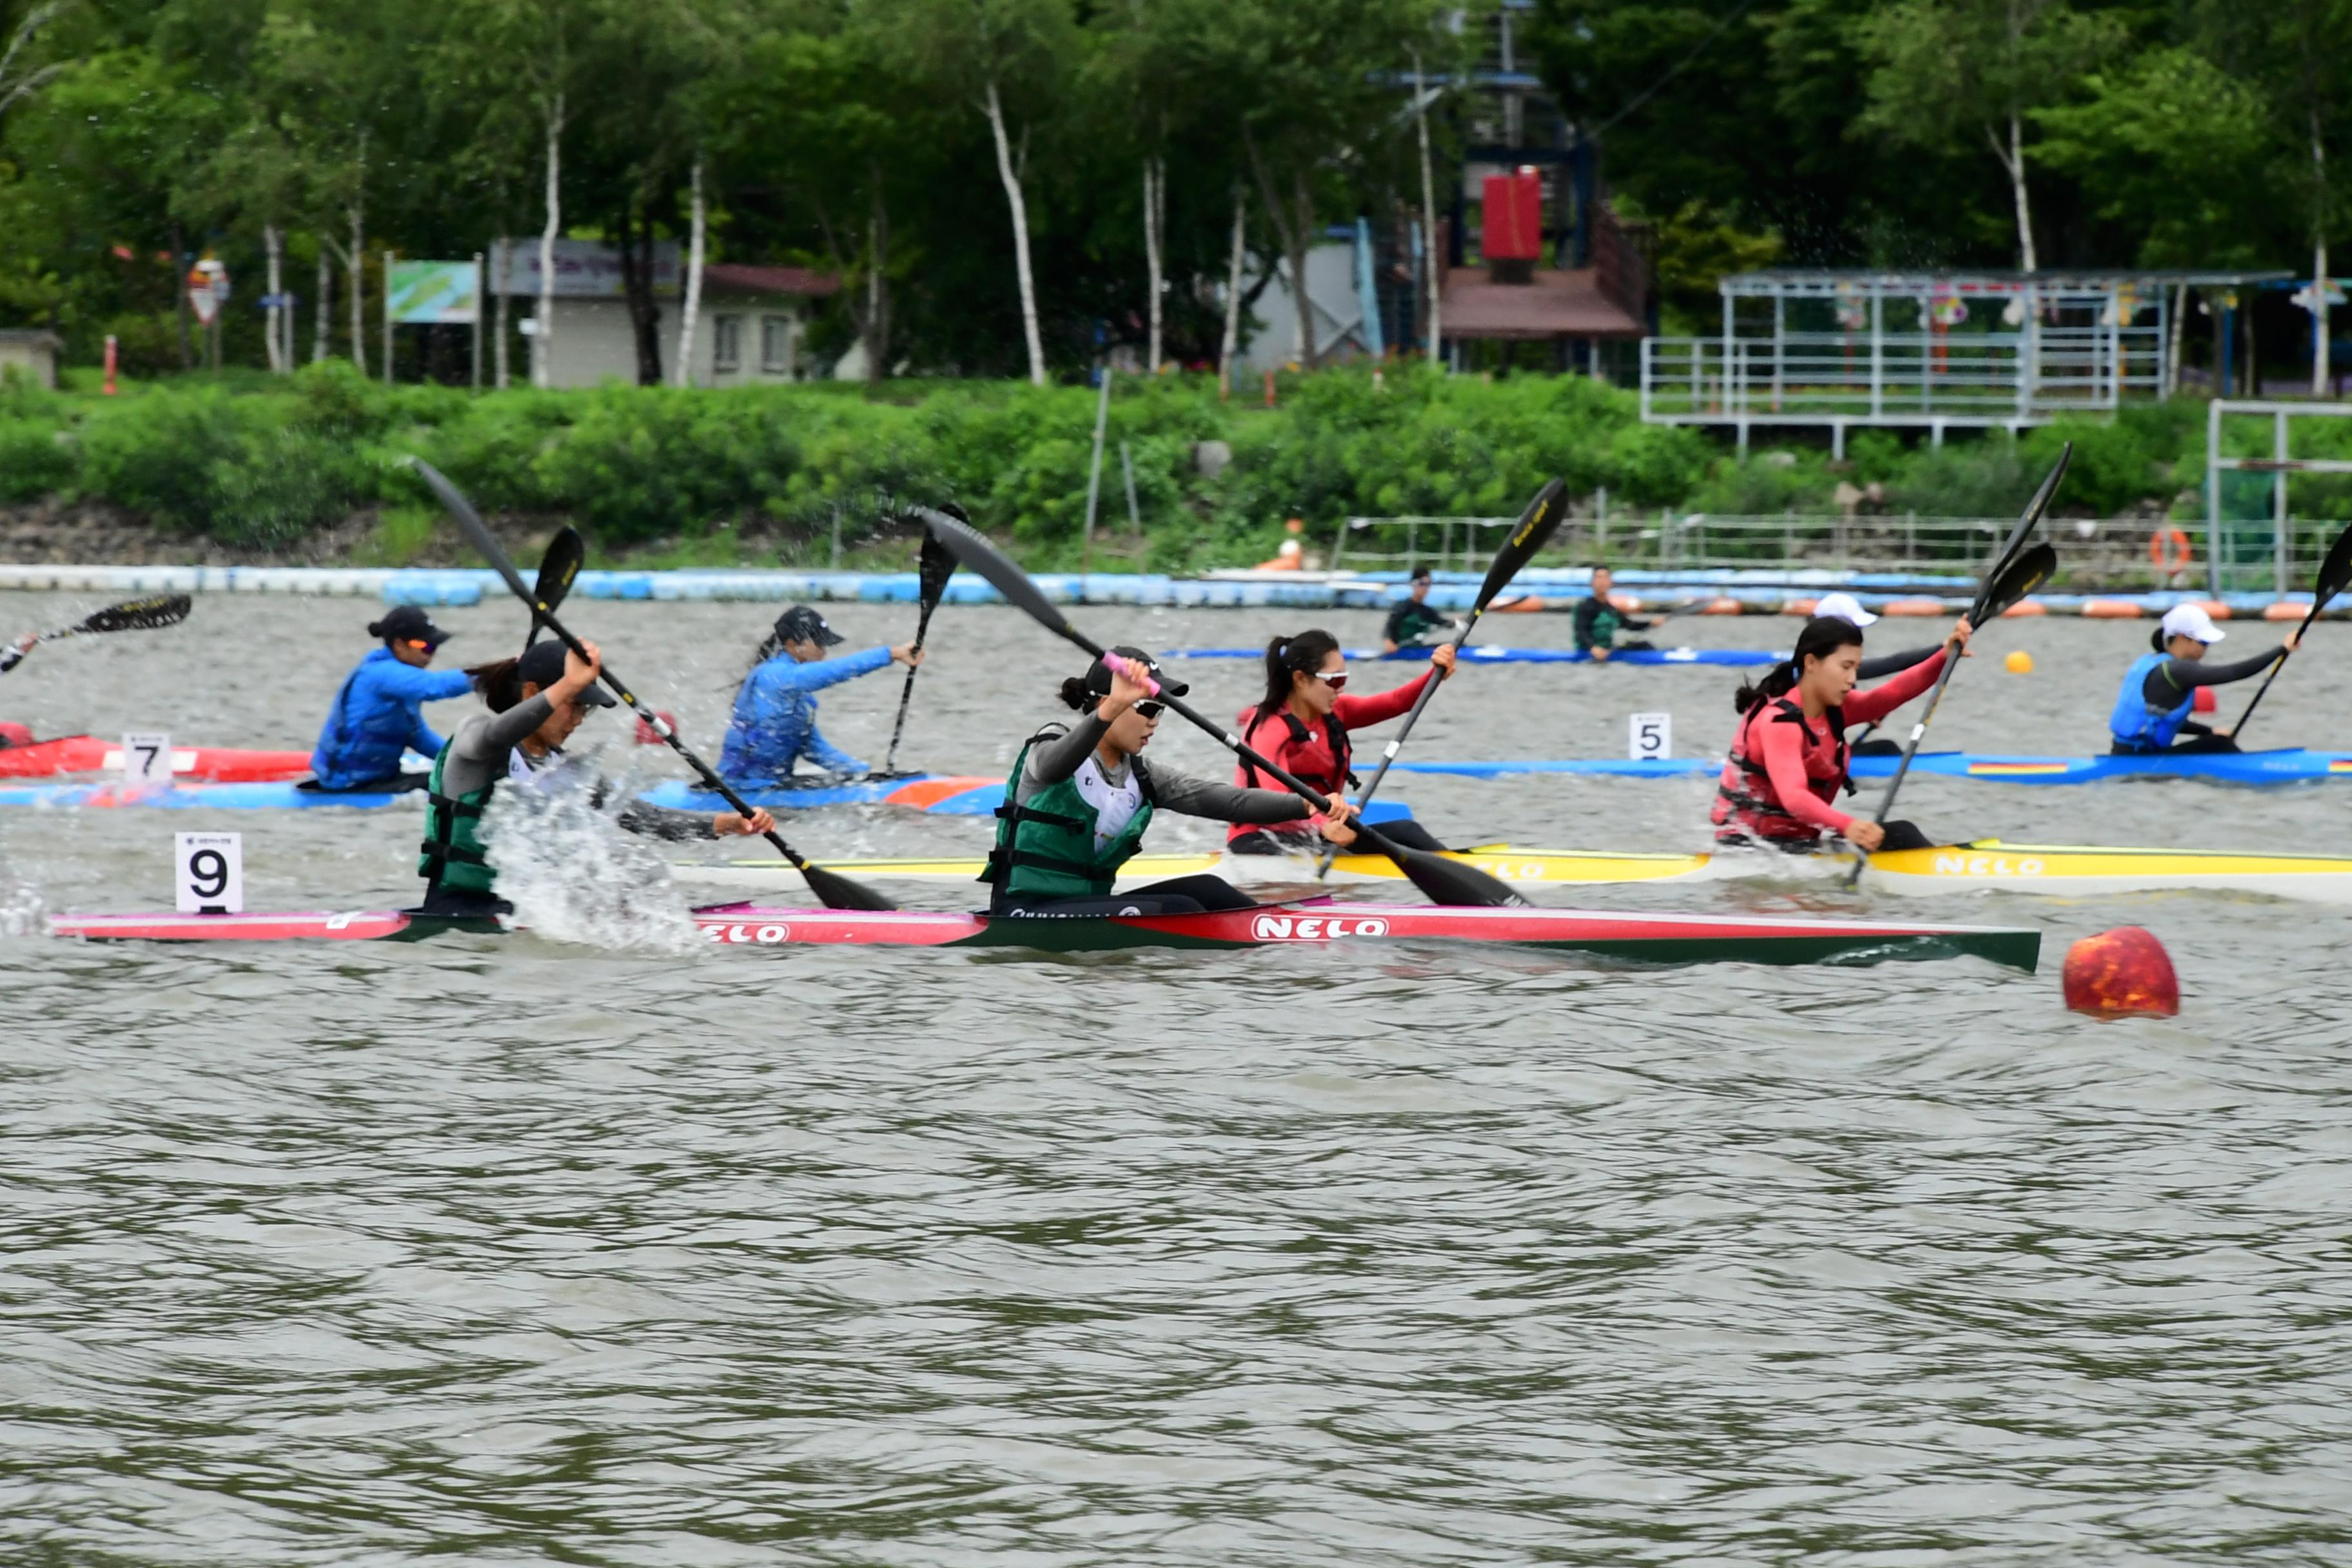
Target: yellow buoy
column 2018, row 662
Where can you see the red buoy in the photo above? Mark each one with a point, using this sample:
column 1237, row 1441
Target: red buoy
column 2202, row 700
column 2122, row 974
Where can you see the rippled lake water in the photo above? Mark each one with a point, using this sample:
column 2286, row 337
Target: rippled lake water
column 510, row 1250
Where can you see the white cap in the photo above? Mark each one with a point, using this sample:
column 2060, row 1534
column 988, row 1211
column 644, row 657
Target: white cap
column 1844, row 606
column 2191, row 621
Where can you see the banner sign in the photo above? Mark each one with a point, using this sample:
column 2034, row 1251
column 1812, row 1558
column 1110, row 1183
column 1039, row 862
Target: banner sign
column 428, row 291
column 585, row 269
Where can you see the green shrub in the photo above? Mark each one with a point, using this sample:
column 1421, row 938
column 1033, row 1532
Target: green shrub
column 33, row 461
column 214, row 463
column 1974, row 479
column 643, row 462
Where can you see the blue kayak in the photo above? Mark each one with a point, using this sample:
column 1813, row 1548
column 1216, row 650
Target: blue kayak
column 2293, row 765
column 1474, row 654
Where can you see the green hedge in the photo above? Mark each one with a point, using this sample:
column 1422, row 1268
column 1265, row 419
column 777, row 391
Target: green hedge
column 257, row 460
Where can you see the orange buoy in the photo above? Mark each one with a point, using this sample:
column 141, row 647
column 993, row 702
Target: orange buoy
column 2122, row 974
column 1913, row 608
column 1799, row 607
column 1629, row 603
column 2215, row 610
column 2020, row 662
column 1723, row 607
column 2281, row 611
column 2110, row 610
column 1530, row 604
column 2026, row 608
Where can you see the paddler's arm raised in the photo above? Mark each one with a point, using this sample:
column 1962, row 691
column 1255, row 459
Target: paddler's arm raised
column 1051, row 762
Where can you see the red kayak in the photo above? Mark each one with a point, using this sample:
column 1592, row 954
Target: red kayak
column 1660, row 938
column 89, row 754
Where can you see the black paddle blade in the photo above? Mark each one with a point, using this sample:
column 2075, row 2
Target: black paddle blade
column 836, row 891
column 933, row 567
column 2334, row 573
column 469, row 523
column 2026, row 519
column 970, row 549
column 140, row 615
column 1535, row 528
column 2022, row 577
column 557, row 568
column 1441, row 880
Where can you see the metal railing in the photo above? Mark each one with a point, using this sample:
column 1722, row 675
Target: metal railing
column 2119, row 555
column 1912, row 378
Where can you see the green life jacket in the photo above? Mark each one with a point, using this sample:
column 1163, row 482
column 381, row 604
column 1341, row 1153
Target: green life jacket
column 1046, row 848
column 451, row 857
column 1606, row 622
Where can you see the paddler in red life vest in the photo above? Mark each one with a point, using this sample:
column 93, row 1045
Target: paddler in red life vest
column 1788, row 759
column 1303, row 724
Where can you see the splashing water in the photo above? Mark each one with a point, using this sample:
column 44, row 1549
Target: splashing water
column 572, row 875
column 23, row 911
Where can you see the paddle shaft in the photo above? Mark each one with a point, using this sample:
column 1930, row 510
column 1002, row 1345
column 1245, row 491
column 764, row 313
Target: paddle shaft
column 907, row 693
column 2284, row 654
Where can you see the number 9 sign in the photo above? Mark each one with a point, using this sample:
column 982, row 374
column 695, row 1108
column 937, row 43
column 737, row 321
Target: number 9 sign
column 209, row 873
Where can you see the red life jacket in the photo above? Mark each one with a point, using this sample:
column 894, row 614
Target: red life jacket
column 1322, row 760
column 1745, row 802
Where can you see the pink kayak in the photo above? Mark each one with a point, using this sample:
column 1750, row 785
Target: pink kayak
column 1660, row 938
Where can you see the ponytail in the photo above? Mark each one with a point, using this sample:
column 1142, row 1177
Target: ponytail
column 1822, row 635
column 1075, row 693
column 498, row 682
column 2156, row 639
column 1286, row 656
column 769, row 649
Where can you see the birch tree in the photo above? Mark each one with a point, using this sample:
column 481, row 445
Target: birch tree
column 1011, row 60
column 1944, row 70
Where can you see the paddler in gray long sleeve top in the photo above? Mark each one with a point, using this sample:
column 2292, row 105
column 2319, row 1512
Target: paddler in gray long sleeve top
column 536, row 703
column 1081, row 799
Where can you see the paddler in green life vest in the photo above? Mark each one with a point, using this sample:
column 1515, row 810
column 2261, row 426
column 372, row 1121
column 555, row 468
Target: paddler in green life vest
column 1597, row 622
column 1412, row 619
column 535, row 702
column 1081, row 799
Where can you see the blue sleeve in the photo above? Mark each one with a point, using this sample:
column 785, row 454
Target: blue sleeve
column 832, row 758
column 413, row 685
column 833, row 671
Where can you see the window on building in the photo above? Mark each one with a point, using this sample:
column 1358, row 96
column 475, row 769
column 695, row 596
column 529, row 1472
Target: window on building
column 726, row 343
column 776, row 344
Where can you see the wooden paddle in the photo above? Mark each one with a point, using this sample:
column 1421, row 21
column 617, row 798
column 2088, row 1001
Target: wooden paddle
column 2011, row 578
column 556, row 570
column 933, row 568
column 146, row 614
column 1444, row 881
column 1536, row 525
column 2335, row 574
column 836, row 891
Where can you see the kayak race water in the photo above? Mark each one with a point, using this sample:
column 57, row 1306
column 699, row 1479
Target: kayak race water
column 2285, row 766
column 1719, row 658
column 599, row 1182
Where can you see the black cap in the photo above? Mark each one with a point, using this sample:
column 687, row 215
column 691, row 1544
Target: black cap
column 407, row 622
column 801, row 624
column 1098, row 673
column 1420, row 574
column 542, row 665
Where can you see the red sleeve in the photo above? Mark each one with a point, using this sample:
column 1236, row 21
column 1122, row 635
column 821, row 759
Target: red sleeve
column 1864, row 707
column 1784, row 764
column 1269, row 740
column 1358, row 713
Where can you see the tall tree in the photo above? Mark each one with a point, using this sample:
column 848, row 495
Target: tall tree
column 1944, row 69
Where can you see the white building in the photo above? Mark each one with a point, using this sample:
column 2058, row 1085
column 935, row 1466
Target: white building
column 747, row 329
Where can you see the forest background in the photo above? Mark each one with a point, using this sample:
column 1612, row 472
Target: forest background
column 1013, row 189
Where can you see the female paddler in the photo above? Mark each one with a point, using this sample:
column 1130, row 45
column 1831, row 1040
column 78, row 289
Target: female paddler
column 1081, row 799
column 1788, row 755
column 535, row 702
column 1302, row 724
column 2160, row 687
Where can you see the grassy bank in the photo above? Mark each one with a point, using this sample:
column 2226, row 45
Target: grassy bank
column 769, row 473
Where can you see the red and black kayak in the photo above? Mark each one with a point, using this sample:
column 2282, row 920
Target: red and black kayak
column 1660, row 938
column 89, row 754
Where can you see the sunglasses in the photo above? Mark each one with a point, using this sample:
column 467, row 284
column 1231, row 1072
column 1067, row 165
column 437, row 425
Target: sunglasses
column 1151, row 710
column 1336, row 682
column 419, row 644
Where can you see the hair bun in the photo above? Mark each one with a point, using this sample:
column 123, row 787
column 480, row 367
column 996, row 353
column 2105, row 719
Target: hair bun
column 1073, row 691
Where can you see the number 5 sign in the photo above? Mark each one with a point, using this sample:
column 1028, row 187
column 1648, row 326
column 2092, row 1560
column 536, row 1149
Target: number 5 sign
column 209, row 868
column 1650, row 737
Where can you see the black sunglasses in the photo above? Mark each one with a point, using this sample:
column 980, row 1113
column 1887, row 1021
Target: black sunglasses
column 1151, row 710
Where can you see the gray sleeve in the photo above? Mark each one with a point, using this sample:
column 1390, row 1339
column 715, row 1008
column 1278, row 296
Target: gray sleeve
column 477, row 753
column 661, row 821
column 1051, row 762
column 1191, row 796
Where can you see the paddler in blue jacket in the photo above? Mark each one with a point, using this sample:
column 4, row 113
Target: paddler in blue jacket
column 2160, row 687
column 774, row 721
column 376, row 714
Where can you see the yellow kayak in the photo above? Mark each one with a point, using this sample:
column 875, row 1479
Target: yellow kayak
column 2061, row 870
